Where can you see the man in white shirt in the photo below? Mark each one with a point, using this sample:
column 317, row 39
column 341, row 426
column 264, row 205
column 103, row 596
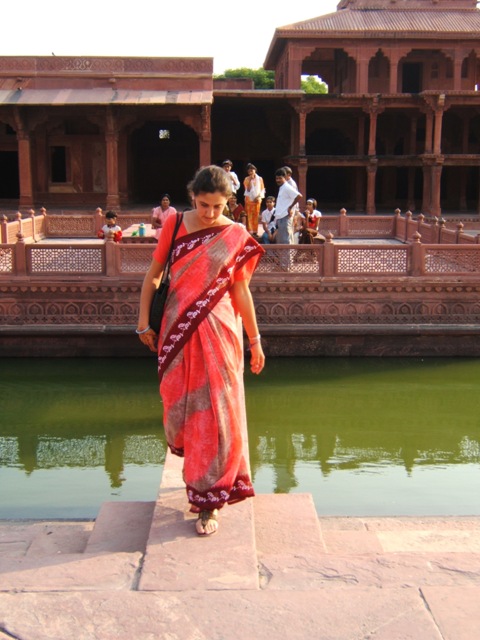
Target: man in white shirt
column 286, row 200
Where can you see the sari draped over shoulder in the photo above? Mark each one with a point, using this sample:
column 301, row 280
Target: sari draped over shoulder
column 200, row 364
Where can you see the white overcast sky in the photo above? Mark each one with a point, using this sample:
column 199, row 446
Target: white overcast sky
column 236, row 34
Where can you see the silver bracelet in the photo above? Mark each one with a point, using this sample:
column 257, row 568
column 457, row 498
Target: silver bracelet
column 139, row 333
column 255, row 339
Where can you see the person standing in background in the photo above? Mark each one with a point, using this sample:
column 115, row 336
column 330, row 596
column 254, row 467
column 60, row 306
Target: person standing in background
column 254, row 194
column 161, row 213
column 227, row 166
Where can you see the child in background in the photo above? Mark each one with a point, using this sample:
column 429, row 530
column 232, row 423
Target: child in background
column 111, row 225
column 268, row 222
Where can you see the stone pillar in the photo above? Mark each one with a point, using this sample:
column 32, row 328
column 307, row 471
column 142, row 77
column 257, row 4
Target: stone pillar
column 436, row 209
column 371, row 179
column 427, row 188
column 437, row 133
column 394, row 59
column 362, row 74
column 205, row 136
column 302, row 178
column 111, row 140
column 373, row 132
column 25, row 169
column 457, row 71
column 302, row 130
column 428, row 132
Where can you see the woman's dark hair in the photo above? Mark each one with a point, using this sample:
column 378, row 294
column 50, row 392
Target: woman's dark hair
column 210, row 180
column 251, row 166
column 165, row 195
column 313, row 201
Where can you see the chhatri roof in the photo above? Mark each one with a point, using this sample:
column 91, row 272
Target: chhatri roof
column 452, row 19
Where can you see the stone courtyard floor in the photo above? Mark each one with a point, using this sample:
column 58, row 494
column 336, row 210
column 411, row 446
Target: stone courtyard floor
column 274, row 570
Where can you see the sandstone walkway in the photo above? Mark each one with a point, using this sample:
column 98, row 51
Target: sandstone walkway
column 274, row 570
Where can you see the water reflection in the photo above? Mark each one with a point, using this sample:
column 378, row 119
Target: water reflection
column 329, row 426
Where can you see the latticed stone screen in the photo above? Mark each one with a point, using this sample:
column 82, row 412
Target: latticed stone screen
column 452, row 261
column 372, row 260
column 302, row 259
column 135, row 259
column 66, row 260
column 6, row 260
column 70, row 226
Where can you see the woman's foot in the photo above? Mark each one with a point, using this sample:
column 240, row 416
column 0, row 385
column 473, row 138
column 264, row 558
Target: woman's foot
column 207, row 523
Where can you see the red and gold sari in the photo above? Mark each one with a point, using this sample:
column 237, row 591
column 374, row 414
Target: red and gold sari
column 200, row 363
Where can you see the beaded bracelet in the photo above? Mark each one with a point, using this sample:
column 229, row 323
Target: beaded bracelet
column 139, row 333
column 255, row 340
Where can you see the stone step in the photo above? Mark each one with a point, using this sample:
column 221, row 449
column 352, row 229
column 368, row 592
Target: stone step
column 178, row 559
column 53, row 538
column 121, row 527
column 289, row 541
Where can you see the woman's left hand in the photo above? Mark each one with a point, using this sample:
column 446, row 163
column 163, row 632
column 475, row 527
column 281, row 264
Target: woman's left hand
column 149, row 339
column 257, row 360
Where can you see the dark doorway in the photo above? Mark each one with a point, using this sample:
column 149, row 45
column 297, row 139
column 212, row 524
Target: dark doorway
column 412, row 77
column 9, row 177
column 164, row 158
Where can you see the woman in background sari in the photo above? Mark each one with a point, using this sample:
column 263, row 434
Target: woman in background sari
column 254, row 194
column 200, row 346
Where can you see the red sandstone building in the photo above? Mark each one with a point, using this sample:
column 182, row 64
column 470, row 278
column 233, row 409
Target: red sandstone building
column 399, row 127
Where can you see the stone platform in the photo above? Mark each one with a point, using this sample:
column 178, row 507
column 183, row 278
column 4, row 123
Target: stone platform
column 274, row 570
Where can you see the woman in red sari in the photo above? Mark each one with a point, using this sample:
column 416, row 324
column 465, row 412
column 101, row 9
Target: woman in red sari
column 200, row 346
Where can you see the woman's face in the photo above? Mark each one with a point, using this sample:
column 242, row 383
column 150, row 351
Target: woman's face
column 251, row 173
column 309, row 207
column 209, row 207
column 165, row 203
column 232, row 201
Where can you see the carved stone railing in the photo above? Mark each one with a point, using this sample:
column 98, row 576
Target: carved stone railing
column 130, row 261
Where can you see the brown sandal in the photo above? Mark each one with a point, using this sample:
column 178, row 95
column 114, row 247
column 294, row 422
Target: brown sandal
column 204, row 517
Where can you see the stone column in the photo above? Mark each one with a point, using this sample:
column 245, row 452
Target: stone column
column 428, row 131
column 302, row 130
column 111, row 140
column 205, row 137
column 427, row 188
column 373, row 132
column 394, row 59
column 25, row 168
column 371, row 179
column 437, row 133
column 362, row 74
column 436, row 209
column 302, row 178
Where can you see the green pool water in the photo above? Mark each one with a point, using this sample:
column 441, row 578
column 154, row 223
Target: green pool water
column 366, row 436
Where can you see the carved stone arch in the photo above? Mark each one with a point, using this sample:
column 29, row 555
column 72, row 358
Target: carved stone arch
column 440, row 310
column 314, row 310
column 72, row 309
column 164, row 153
column 405, row 310
column 278, row 310
column 379, row 72
column 388, row 310
column 296, row 309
